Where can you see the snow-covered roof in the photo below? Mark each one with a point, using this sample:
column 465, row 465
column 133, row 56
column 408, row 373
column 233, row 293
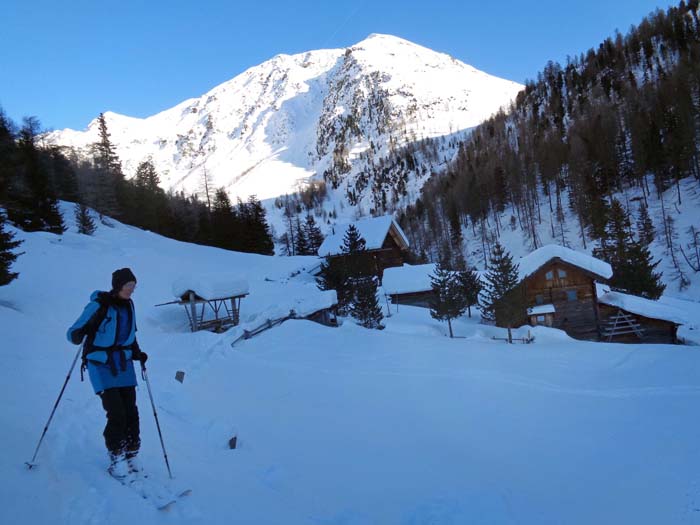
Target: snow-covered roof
column 373, row 229
column 408, row 279
column 312, row 303
column 541, row 309
column 641, row 306
column 210, row 286
column 535, row 260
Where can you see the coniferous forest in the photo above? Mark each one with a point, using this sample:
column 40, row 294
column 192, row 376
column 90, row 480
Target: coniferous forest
column 34, row 177
column 620, row 119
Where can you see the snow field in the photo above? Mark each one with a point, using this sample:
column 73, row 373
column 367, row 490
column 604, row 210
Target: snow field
column 336, row 425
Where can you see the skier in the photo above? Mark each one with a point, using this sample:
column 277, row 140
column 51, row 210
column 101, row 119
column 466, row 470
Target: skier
column 108, row 325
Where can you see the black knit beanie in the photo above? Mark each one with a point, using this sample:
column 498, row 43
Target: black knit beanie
column 121, row 277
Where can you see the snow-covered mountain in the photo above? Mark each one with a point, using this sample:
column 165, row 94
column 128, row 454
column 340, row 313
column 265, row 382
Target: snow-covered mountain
column 339, row 114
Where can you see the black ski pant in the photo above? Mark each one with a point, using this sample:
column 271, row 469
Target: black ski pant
column 122, row 430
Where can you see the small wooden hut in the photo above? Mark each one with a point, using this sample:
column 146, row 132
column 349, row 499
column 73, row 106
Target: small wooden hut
column 409, row 285
column 386, row 243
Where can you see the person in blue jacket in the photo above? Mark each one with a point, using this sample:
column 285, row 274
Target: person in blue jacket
column 108, row 328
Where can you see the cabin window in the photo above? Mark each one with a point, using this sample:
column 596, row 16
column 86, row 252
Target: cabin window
column 571, row 295
column 549, row 275
column 539, row 299
column 562, row 274
column 540, row 318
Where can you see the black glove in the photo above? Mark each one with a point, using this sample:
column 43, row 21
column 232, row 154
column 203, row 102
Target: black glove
column 77, row 336
column 143, row 357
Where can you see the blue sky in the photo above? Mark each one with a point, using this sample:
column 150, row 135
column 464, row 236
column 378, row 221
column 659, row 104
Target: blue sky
column 64, row 62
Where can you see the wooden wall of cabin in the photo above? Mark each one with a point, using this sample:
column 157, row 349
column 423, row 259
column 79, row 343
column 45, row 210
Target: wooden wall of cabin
column 376, row 260
column 390, row 255
column 655, row 330
column 576, row 315
column 421, row 299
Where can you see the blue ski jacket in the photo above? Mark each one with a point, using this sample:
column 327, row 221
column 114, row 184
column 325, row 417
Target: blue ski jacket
column 109, row 323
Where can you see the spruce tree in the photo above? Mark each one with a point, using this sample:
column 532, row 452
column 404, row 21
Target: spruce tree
column 365, row 305
column 337, row 272
column 83, row 220
column 356, row 262
column 257, row 237
column 302, row 244
column 353, row 242
column 639, row 277
column 501, row 277
column 224, row 224
column 109, row 178
column 633, row 270
column 149, row 198
column 510, row 310
column 7, row 257
column 645, row 228
column 8, row 152
column 314, row 237
column 333, row 275
column 39, row 206
column 447, row 302
column 470, row 287
column 62, row 175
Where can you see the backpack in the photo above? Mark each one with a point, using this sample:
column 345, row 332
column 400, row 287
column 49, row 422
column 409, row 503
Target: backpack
column 92, row 325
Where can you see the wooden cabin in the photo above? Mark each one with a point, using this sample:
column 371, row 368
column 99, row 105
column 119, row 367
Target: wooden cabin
column 559, row 286
column 630, row 319
column 386, row 244
column 409, row 285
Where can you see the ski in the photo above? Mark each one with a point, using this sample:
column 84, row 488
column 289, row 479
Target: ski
column 161, row 496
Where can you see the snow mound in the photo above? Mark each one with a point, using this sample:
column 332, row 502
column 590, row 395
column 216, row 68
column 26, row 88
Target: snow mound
column 408, row 279
column 210, row 286
column 312, row 303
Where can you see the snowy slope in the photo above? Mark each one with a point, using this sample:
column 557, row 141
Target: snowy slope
column 518, row 240
column 337, row 425
column 294, row 118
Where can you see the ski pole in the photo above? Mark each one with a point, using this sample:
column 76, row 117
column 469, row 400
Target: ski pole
column 155, row 415
column 31, row 463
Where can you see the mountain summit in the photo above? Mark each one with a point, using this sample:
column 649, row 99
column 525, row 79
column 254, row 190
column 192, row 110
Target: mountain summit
column 339, row 115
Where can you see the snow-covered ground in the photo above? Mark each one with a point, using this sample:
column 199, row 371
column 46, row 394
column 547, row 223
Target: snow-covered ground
column 336, row 425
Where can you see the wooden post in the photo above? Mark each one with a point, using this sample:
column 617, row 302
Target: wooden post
column 234, row 311
column 193, row 309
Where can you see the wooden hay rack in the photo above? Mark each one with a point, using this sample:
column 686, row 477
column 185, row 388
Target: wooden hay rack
column 225, row 310
column 621, row 324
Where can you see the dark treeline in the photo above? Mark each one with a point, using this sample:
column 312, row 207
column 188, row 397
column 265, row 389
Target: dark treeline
column 33, row 177
column 624, row 116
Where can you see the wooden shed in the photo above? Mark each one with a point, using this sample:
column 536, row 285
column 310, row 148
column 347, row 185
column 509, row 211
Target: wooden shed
column 563, row 282
column 630, row 319
column 409, row 285
column 386, row 243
